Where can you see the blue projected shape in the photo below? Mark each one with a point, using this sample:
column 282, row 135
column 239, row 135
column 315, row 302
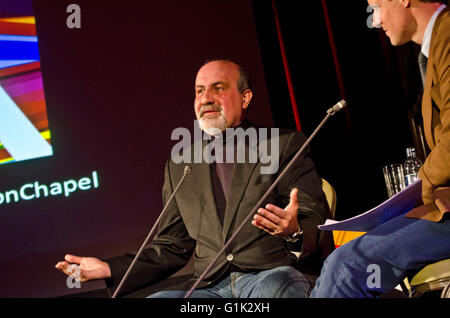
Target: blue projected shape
column 19, row 50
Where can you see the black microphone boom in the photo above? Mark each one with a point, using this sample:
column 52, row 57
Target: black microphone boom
column 330, row 112
column 187, row 170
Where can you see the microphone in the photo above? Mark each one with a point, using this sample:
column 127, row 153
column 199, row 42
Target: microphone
column 339, row 105
column 330, row 112
column 187, row 170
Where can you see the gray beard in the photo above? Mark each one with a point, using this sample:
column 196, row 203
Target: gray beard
column 213, row 126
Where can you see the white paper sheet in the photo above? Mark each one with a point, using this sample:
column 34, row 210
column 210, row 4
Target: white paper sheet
column 398, row 204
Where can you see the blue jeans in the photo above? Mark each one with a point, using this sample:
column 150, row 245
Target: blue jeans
column 280, row 282
column 376, row 262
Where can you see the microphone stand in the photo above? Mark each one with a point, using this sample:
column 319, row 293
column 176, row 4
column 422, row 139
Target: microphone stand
column 187, row 170
column 330, row 112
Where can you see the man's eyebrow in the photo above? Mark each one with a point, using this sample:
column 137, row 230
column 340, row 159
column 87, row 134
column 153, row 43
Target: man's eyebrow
column 213, row 84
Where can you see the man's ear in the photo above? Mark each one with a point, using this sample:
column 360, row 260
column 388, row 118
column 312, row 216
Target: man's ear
column 246, row 98
column 406, row 3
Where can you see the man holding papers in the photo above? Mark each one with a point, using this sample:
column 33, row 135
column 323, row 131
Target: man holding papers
column 406, row 243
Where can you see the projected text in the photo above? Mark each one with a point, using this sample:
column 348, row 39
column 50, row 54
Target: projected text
column 36, row 190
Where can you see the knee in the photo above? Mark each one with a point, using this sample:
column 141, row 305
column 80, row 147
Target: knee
column 288, row 282
column 285, row 273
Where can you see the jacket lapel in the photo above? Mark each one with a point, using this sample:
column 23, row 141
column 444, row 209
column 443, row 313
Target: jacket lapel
column 427, row 107
column 239, row 182
column 200, row 186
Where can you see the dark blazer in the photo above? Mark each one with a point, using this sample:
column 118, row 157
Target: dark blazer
column 192, row 222
column 435, row 172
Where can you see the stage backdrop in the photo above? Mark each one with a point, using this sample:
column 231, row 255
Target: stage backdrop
column 104, row 95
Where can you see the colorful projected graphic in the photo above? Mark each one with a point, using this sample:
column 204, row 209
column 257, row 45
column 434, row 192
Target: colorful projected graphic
column 24, row 129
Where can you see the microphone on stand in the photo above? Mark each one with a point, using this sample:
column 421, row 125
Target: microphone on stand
column 337, row 107
column 330, row 112
column 187, row 170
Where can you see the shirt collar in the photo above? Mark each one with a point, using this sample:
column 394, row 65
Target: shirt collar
column 227, row 139
column 426, row 41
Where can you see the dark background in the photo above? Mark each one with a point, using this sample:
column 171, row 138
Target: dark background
column 117, row 87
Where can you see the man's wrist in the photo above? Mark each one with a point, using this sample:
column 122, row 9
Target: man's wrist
column 294, row 237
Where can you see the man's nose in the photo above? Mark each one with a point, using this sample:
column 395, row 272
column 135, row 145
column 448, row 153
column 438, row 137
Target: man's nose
column 207, row 97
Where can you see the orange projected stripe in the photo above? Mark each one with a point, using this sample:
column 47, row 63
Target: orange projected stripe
column 23, row 24
column 17, row 28
column 26, row 20
column 34, row 107
column 39, row 120
column 4, row 154
column 342, row 237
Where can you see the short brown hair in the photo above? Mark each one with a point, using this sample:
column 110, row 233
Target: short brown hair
column 243, row 82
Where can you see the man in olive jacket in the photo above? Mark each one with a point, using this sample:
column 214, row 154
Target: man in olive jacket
column 405, row 244
column 216, row 197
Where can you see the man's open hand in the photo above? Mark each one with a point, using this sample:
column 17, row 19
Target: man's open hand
column 277, row 221
column 90, row 267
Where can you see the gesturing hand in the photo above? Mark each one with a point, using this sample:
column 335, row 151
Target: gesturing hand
column 277, row 221
column 90, row 267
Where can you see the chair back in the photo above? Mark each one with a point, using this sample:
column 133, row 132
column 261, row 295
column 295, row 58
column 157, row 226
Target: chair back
column 330, row 195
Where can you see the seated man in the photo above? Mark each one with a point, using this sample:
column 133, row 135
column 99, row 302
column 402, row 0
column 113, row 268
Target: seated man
column 214, row 199
column 404, row 245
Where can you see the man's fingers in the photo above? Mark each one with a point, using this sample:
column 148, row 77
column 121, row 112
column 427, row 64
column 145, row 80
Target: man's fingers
column 279, row 212
column 68, row 265
column 293, row 202
column 65, row 267
column 256, row 223
column 73, row 259
column 278, row 221
column 274, row 215
column 265, row 223
column 62, row 265
column 68, row 259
